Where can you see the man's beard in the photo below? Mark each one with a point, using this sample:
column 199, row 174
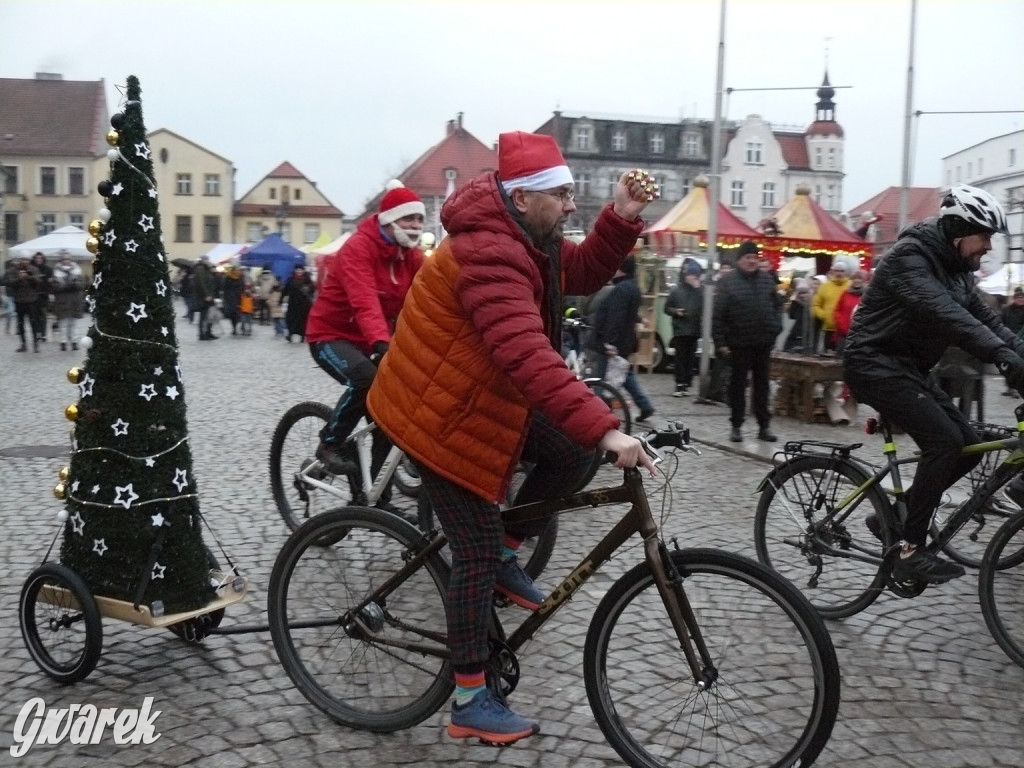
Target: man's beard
column 550, row 235
column 407, row 238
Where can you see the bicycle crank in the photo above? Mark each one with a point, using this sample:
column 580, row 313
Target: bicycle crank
column 502, row 668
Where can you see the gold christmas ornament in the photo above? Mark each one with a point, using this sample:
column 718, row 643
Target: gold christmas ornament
column 92, row 245
column 75, row 374
column 71, row 412
column 64, row 473
column 650, row 187
column 113, row 137
column 60, row 491
column 95, row 227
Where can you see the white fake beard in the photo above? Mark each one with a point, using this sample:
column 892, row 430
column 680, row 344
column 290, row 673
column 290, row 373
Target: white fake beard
column 407, row 238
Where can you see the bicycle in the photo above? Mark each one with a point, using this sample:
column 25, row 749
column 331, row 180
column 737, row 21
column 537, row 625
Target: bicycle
column 1001, row 587
column 693, row 655
column 813, row 509
column 303, row 487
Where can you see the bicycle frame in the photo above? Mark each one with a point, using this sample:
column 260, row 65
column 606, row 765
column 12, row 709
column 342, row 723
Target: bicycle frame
column 362, row 436
column 637, row 520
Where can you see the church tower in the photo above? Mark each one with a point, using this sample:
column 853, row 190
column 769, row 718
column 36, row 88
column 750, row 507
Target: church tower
column 825, row 141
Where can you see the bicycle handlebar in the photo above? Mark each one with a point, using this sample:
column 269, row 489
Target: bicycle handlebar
column 675, row 435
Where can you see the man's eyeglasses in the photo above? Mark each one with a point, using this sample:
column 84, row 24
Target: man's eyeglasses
column 564, row 195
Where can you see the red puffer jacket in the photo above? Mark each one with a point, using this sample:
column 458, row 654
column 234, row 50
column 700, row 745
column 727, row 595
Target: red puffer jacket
column 471, row 355
column 364, row 289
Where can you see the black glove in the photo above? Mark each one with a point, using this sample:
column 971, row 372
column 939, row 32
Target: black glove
column 1012, row 368
column 381, row 347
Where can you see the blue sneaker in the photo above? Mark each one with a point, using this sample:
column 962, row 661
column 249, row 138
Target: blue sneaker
column 487, row 719
column 513, row 583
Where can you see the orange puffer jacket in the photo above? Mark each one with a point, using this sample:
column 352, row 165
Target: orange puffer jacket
column 471, row 355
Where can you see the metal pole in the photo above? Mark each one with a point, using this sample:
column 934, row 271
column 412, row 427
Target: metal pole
column 905, row 181
column 713, row 198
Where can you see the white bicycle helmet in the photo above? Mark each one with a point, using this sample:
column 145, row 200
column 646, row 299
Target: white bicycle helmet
column 975, row 206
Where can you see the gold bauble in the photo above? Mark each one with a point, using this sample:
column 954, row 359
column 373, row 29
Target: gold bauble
column 60, row 491
column 71, row 412
column 113, row 137
column 92, row 245
column 75, row 374
column 64, row 473
column 96, row 227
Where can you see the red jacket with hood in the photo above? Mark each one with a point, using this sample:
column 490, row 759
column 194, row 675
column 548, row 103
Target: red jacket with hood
column 364, row 289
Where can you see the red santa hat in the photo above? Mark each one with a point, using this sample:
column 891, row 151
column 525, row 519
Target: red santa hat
column 399, row 201
column 531, row 161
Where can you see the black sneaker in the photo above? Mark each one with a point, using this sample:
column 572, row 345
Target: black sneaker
column 736, row 435
column 925, row 565
column 335, row 459
column 766, row 435
column 645, row 414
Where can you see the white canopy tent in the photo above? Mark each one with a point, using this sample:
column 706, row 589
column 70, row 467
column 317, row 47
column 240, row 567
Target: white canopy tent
column 225, row 251
column 1003, row 280
column 70, row 239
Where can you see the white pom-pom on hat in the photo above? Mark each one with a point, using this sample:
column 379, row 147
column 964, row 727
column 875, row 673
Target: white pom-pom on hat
column 393, row 184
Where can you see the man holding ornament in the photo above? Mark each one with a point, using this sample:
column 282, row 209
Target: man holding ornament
column 474, row 381
column 353, row 318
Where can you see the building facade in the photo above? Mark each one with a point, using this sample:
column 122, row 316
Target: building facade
column 997, row 166
column 287, row 202
column 762, row 164
column 53, row 153
column 197, row 190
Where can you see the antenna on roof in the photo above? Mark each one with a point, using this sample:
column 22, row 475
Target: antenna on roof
column 828, row 42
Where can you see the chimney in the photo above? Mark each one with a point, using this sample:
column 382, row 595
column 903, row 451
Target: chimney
column 49, row 76
column 450, row 128
column 459, row 126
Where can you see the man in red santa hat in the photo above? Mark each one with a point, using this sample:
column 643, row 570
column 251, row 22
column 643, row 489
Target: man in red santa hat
column 474, row 381
column 354, row 314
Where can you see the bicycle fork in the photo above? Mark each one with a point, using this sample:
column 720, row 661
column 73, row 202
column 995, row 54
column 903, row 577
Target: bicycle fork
column 670, row 585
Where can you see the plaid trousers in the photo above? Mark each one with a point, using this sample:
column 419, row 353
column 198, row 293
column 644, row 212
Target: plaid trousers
column 475, row 532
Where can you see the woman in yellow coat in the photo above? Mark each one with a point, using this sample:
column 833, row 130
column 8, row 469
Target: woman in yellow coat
column 823, row 307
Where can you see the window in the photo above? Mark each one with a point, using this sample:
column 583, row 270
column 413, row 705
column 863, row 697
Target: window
column 619, row 141
column 949, row 177
column 11, row 180
column 47, row 223
column 582, row 184
column 981, row 162
column 211, row 229
column 273, row 193
column 613, row 180
column 285, row 230
column 817, row 157
column 581, row 137
column 970, row 170
column 297, row 195
column 687, row 185
column 1013, row 156
column 830, row 198
column 831, row 157
column 11, row 234
column 211, row 184
column 47, row 180
column 656, row 144
column 77, row 220
column 183, row 229
column 768, row 194
column 253, row 232
column 183, row 184
column 958, row 173
column 817, row 193
column 76, row 181
column 310, row 232
column 736, row 195
column 691, row 145
column 754, row 152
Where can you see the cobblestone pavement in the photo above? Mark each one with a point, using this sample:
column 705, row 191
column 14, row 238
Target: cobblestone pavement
column 924, row 684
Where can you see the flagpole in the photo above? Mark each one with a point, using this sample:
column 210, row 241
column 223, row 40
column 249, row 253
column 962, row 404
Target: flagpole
column 908, row 117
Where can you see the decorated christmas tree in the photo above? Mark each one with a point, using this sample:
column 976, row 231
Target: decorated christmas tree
column 132, row 530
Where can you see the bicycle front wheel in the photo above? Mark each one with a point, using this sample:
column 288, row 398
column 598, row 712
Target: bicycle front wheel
column 1001, row 587
column 293, row 466
column 370, row 659
column 771, row 685
column 811, row 528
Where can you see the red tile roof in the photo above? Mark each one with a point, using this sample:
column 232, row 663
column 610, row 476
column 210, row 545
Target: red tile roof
column 922, row 203
column 294, row 211
column 825, row 128
column 52, row 117
column 794, row 150
column 285, row 171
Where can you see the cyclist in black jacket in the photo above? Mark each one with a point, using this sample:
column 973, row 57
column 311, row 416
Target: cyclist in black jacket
column 920, row 301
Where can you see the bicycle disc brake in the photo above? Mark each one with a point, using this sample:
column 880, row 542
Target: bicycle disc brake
column 502, row 668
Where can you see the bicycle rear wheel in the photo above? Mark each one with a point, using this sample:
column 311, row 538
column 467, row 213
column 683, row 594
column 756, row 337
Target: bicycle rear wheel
column 614, row 400
column 407, row 477
column 1001, row 587
column 775, row 684
column 827, row 552
column 293, row 464
column 363, row 678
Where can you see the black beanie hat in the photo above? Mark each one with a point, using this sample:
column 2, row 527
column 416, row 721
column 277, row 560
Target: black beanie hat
column 747, row 246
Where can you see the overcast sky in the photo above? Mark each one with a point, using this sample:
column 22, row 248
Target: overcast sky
column 352, row 91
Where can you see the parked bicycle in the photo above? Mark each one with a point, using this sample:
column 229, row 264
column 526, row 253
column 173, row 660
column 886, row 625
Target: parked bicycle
column 825, row 521
column 1001, row 587
column 694, row 656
